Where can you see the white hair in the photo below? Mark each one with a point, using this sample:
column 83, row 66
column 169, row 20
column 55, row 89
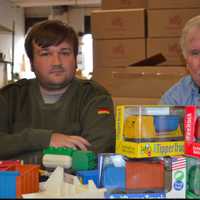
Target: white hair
column 190, row 24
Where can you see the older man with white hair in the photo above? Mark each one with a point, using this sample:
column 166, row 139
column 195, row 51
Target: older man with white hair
column 187, row 90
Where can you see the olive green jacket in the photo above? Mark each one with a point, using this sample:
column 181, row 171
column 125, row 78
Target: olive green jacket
column 27, row 123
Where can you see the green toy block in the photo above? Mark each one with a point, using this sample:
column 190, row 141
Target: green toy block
column 193, row 178
column 84, row 160
column 59, row 151
column 190, row 195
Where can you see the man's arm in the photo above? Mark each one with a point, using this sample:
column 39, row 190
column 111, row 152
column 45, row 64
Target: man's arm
column 23, row 141
column 99, row 124
column 61, row 140
column 14, row 143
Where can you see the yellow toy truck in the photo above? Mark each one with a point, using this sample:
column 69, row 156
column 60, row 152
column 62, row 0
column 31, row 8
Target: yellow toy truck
column 147, row 128
column 151, row 128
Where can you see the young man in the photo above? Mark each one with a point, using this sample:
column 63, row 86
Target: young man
column 187, row 90
column 54, row 109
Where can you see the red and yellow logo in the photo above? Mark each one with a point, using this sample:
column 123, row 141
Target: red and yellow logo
column 103, row 111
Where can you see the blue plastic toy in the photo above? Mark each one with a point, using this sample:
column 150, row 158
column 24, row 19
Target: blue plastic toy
column 87, row 175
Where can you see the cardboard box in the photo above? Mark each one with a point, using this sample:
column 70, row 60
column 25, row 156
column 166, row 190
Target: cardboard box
column 168, row 22
column 154, row 4
column 138, row 82
column 192, row 131
column 123, row 4
column 86, row 3
column 116, row 53
column 168, row 47
column 134, row 101
column 170, row 170
column 115, row 24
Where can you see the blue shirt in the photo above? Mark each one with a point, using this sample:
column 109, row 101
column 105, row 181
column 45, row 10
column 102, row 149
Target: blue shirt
column 184, row 92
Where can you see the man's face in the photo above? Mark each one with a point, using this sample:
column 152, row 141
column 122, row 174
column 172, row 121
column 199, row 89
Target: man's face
column 193, row 54
column 54, row 66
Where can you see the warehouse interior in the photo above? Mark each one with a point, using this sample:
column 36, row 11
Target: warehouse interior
column 125, row 49
column 127, row 139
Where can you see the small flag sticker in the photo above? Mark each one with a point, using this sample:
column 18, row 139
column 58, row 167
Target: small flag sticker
column 103, row 111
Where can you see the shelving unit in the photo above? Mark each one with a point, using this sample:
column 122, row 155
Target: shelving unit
column 6, row 63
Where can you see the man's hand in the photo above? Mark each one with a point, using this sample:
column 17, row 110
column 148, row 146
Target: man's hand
column 61, row 140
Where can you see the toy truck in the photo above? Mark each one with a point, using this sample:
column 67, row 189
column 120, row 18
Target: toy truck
column 149, row 130
column 152, row 128
column 161, row 177
column 69, row 158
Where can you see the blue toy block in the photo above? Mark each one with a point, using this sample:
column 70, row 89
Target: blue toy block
column 113, row 177
column 87, row 175
column 8, row 184
column 118, row 195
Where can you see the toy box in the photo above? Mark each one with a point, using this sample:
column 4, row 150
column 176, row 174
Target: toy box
column 192, row 131
column 17, row 179
column 161, row 177
column 149, row 131
column 193, row 178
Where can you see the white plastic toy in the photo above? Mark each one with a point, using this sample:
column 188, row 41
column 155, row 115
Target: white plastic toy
column 51, row 160
column 56, row 187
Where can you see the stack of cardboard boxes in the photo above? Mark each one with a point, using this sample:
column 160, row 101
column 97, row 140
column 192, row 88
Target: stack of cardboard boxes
column 166, row 20
column 119, row 40
column 119, row 37
column 128, row 31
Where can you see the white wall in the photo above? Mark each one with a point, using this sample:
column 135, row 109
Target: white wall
column 74, row 16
